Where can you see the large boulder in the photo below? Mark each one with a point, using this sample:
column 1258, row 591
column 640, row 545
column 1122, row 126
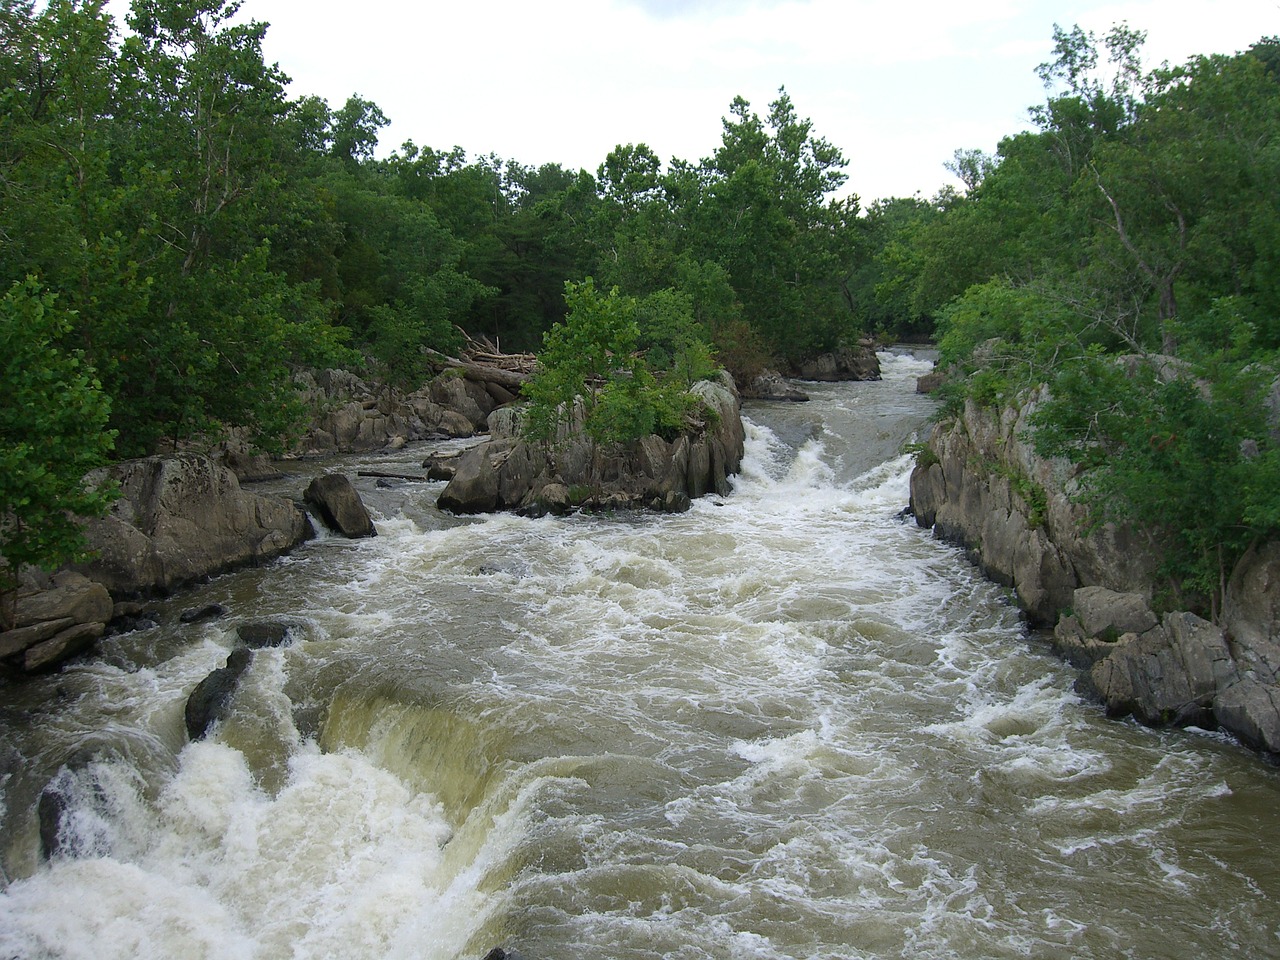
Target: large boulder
column 771, row 385
column 55, row 621
column 509, row 473
column 1169, row 675
column 339, row 506
column 858, row 362
column 181, row 519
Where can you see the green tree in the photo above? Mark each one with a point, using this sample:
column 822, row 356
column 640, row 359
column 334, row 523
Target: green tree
column 53, row 420
column 591, row 367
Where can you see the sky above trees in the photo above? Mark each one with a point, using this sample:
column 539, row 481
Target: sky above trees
column 897, row 86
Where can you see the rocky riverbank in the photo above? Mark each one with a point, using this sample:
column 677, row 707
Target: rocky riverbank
column 978, row 483
column 183, row 518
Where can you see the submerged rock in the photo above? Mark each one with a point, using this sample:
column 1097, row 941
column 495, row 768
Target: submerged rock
column 210, row 611
column 263, row 633
column 211, row 697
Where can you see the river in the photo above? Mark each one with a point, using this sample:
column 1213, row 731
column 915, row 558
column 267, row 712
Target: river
column 785, row 724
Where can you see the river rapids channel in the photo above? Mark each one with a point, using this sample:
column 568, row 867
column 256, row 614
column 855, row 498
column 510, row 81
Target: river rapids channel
column 785, row 724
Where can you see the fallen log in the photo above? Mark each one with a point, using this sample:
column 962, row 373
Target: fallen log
column 380, row 475
column 512, row 380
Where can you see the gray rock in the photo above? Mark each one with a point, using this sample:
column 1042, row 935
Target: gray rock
column 339, row 506
column 771, row 385
column 1250, row 709
column 263, row 633
column 56, row 619
column 62, row 646
column 15, row 641
column 1169, row 675
column 845, row 363
column 1102, row 611
column 930, row 382
column 72, row 596
column 181, row 519
column 211, row 698
column 509, row 473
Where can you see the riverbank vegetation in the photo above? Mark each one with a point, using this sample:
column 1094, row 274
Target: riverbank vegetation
column 199, row 237
column 1124, row 253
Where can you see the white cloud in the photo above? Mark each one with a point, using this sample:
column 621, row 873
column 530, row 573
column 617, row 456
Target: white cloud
column 898, row 86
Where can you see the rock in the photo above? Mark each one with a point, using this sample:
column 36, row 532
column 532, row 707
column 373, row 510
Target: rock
column 339, row 506
column 75, row 787
column 1102, row 612
column 211, row 697
column 72, row 596
column 182, row 519
column 474, row 487
column 62, row 646
column 930, row 382
column 15, row 641
column 1169, row 675
column 509, row 473
column 845, row 363
column 263, row 633
column 771, row 385
column 1080, row 649
column 1250, row 709
column 554, row 498
column 56, row 623
column 210, row 611
column 50, row 811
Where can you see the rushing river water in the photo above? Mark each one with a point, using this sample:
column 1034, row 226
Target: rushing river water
column 784, row 724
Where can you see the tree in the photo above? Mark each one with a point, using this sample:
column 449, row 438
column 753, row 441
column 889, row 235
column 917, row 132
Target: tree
column 766, row 214
column 52, row 432
column 591, row 368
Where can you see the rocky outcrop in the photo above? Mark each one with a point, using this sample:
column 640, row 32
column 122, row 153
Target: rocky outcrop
column 771, row 385
column 55, row 621
column 353, row 416
column 844, row 363
column 981, row 485
column 978, row 483
column 339, row 506
column 181, row 519
column 178, row 520
column 509, row 473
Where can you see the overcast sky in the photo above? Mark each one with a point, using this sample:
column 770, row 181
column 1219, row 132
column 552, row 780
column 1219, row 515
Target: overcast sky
column 898, row 86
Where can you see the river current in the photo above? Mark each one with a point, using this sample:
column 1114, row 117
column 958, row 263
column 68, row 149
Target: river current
column 785, row 724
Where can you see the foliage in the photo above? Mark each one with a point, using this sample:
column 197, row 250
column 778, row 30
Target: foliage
column 1172, row 453
column 52, row 432
column 591, row 364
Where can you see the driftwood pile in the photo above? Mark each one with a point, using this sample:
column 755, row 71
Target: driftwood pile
column 483, row 361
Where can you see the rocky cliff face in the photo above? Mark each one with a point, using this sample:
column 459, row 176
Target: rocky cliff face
column 981, row 485
column 509, row 473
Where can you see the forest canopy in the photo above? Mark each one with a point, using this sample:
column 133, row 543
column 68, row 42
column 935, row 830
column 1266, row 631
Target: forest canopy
column 195, row 237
